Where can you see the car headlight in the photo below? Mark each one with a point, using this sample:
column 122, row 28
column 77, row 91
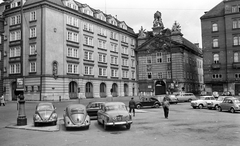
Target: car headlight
column 53, row 116
column 37, row 117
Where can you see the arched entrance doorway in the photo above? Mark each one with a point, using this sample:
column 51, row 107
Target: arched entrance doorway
column 73, row 93
column 89, row 90
column 14, row 94
column 114, row 89
column 103, row 93
column 125, row 89
column 160, row 88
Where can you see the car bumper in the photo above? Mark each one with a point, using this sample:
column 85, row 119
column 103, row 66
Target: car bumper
column 77, row 125
column 45, row 121
column 118, row 123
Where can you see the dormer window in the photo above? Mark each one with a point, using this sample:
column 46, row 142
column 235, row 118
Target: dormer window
column 123, row 26
column 101, row 17
column 72, row 5
column 87, row 11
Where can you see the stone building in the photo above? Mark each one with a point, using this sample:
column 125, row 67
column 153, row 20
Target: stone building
column 62, row 49
column 221, row 43
column 166, row 61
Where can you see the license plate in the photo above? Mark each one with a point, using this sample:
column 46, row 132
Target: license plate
column 119, row 118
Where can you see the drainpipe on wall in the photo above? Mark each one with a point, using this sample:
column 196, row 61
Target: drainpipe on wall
column 226, row 53
column 41, row 53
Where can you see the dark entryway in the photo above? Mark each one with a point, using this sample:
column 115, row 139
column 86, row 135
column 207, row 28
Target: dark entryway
column 160, row 88
column 73, row 93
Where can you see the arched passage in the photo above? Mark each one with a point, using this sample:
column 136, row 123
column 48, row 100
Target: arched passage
column 114, row 90
column 89, row 90
column 72, row 87
column 160, row 88
column 103, row 93
column 125, row 89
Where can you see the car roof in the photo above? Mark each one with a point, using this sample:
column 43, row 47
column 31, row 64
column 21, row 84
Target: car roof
column 71, row 106
column 230, row 97
column 207, row 96
column 113, row 103
column 44, row 103
column 93, row 102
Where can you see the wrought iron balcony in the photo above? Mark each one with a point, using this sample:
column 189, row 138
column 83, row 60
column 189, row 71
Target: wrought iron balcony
column 216, row 66
column 236, row 65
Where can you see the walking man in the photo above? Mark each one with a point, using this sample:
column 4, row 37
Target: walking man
column 2, row 101
column 132, row 105
column 166, row 105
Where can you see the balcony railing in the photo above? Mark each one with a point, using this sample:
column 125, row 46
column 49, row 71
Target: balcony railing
column 216, row 66
column 236, row 65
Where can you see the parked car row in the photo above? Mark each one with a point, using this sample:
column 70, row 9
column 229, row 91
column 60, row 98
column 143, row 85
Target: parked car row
column 222, row 103
column 79, row 115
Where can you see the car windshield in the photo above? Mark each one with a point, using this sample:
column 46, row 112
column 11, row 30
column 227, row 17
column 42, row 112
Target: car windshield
column 115, row 107
column 77, row 111
column 44, row 107
column 220, row 98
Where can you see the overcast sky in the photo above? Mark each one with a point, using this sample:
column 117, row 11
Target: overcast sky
column 140, row 13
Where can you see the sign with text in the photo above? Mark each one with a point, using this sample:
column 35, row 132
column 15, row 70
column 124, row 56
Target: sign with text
column 20, row 84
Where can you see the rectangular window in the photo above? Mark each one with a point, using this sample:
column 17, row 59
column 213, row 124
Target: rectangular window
column 159, row 57
column 114, row 73
column 102, row 71
column 32, row 66
column 124, row 39
column 88, row 27
column 168, row 58
column 33, row 32
column 215, row 43
column 88, row 55
column 125, row 74
column 15, row 68
column 169, row 75
column 88, row 70
column 114, row 47
column 15, row 20
column 72, row 68
column 102, row 44
column 160, row 75
column 133, row 74
column 15, row 35
column 88, row 41
column 114, row 60
column 133, row 52
column 124, row 50
column 124, row 62
column 72, row 52
column 72, row 36
column 103, row 32
column 133, row 63
column 72, row 21
column 33, row 49
column 114, row 35
column 15, row 52
column 149, row 59
column 236, row 40
column 33, row 16
column 102, row 58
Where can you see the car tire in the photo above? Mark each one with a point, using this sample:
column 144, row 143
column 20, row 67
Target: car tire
column 232, row 110
column 128, row 126
column 156, row 105
column 209, row 108
column 216, row 107
column 138, row 106
column 219, row 109
column 194, row 107
column 200, row 106
column 105, row 127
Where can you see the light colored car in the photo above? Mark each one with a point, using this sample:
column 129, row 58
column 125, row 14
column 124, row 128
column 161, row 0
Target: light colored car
column 76, row 116
column 45, row 113
column 215, row 104
column 202, row 101
column 182, row 97
column 231, row 104
column 114, row 113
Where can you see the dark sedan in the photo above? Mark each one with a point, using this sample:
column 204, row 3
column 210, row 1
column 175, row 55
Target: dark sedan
column 92, row 109
column 148, row 102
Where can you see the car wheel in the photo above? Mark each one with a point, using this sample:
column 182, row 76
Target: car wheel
column 209, row 108
column 156, row 105
column 200, row 106
column 128, row 126
column 194, row 107
column 189, row 100
column 138, row 106
column 232, row 110
column 216, row 107
column 219, row 109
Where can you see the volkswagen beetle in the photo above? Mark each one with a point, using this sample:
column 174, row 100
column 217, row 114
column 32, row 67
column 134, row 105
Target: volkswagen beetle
column 76, row 116
column 45, row 113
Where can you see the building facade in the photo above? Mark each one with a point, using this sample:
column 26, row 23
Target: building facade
column 221, row 43
column 64, row 49
column 167, row 62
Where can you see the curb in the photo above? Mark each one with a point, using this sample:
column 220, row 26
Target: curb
column 33, row 128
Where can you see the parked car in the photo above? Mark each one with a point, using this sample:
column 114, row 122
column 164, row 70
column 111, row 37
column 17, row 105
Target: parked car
column 202, row 101
column 172, row 98
column 231, row 104
column 45, row 112
column 114, row 113
column 75, row 115
column 148, row 102
column 182, row 97
column 215, row 104
column 92, row 109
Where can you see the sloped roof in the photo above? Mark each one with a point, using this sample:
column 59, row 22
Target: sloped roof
column 58, row 2
column 218, row 10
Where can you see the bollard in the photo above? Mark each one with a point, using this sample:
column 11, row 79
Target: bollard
column 59, row 98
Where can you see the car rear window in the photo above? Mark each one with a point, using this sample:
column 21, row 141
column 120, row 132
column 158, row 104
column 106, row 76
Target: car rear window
column 77, row 111
column 44, row 107
column 115, row 107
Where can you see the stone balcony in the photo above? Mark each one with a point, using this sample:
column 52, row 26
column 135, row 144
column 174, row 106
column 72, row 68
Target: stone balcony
column 216, row 66
column 236, row 65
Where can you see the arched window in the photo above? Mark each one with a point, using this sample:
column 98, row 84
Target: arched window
column 215, row 43
column 216, row 58
column 214, row 27
column 235, row 57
